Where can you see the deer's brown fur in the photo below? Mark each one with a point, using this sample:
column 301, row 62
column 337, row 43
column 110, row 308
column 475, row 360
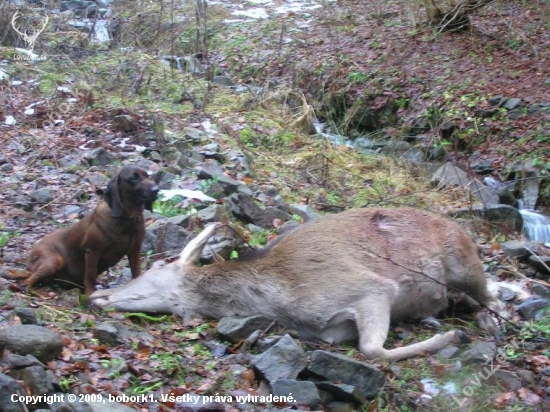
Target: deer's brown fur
column 337, row 278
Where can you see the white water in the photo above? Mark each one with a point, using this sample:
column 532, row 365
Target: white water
column 536, row 226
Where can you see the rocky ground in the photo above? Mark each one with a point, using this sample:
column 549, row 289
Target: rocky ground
column 248, row 146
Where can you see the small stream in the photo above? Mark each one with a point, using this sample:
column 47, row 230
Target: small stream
column 536, row 226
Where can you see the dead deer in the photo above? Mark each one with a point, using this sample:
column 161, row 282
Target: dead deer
column 336, row 278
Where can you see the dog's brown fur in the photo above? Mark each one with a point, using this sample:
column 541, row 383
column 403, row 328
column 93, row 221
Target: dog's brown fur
column 80, row 252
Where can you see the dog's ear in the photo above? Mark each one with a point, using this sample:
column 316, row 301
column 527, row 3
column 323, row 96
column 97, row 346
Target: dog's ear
column 112, row 197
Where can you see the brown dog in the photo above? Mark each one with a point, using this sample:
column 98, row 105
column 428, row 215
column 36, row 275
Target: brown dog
column 79, row 253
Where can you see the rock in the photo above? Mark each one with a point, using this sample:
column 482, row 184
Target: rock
column 38, row 341
column 479, row 353
column 164, row 236
column 306, row 212
column 35, row 378
column 42, row 196
column 241, row 163
column 252, row 228
column 192, row 65
column 396, row 148
column 234, row 329
column 267, row 342
column 100, row 157
column 450, row 175
column 515, row 248
column 194, row 134
column 24, row 203
column 164, row 179
column 216, row 349
column 343, row 392
column 448, row 352
column 220, row 244
column 505, row 218
column 482, row 192
column 482, row 166
column 80, row 7
column 529, row 182
column 212, row 170
column 527, row 377
column 210, row 147
column 303, row 392
column 541, row 263
column 124, row 123
column 223, row 81
column 184, row 162
column 106, row 332
column 213, row 213
column 215, row 190
column 27, row 316
column 513, row 103
column 507, row 379
column 342, row 407
column 284, row 360
column 228, row 184
column 541, row 290
column 534, row 307
column 420, row 125
column 497, row 101
column 8, row 388
column 98, row 179
column 506, row 294
column 103, row 3
column 251, row 212
column 506, row 197
column 6, row 167
column 245, row 189
column 71, row 210
column 19, row 362
column 101, row 406
column 341, row 369
column 438, row 154
column 115, row 367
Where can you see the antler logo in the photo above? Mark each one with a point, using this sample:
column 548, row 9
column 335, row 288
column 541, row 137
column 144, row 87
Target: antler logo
column 29, row 39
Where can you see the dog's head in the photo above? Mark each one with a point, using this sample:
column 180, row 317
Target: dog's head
column 130, row 191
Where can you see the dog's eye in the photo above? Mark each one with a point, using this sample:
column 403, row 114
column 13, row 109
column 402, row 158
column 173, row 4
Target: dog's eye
column 135, row 176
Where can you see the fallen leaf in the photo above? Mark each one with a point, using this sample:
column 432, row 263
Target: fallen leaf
column 504, row 399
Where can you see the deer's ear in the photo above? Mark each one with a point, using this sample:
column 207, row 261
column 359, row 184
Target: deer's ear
column 192, row 252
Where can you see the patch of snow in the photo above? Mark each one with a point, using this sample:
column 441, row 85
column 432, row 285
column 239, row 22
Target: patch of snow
column 187, row 193
column 254, row 13
column 10, row 120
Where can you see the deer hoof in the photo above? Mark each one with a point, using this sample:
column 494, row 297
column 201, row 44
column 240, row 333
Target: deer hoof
column 461, row 337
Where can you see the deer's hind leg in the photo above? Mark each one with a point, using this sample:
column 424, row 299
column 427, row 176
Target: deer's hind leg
column 373, row 322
